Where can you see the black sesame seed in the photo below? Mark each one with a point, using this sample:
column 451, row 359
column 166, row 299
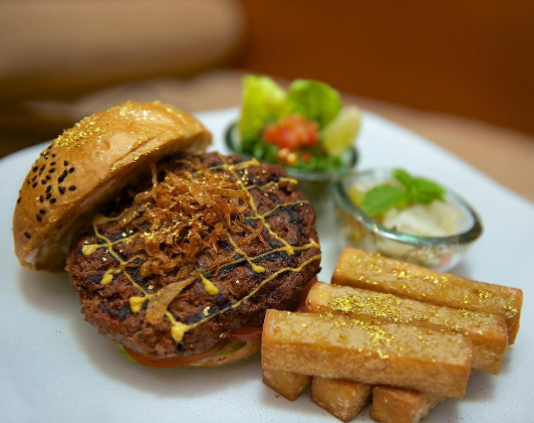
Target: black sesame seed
column 18, row 200
column 39, row 218
column 48, row 177
column 62, row 190
column 66, row 163
column 27, row 235
column 65, row 173
column 48, row 196
column 42, row 167
column 34, row 178
column 34, row 184
column 52, row 201
column 43, row 181
column 60, row 179
column 53, row 163
column 71, row 170
column 53, row 155
column 52, row 170
column 49, row 189
column 72, row 188
column 27, row 182
column 42, row 211
column 35, row 170
column 41, row 198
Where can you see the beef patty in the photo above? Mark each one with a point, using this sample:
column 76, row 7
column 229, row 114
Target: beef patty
column 203, row 247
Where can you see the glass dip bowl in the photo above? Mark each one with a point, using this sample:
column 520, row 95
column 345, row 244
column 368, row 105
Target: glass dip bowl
column 315, row 185
column 358, row 230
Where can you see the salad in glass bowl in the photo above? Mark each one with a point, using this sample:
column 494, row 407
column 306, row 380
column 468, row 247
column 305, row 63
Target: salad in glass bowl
column 306, row 128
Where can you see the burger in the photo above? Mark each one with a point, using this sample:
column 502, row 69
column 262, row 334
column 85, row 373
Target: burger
column 175, row 253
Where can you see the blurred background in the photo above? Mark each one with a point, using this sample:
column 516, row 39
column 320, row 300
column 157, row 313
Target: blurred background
column 459, row 73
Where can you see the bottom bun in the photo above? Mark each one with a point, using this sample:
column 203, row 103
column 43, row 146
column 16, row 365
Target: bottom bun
column 231, row 353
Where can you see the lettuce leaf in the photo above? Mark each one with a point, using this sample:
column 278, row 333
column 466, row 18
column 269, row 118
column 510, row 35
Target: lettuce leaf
column 123, row 351
column 314, row 100
column 262, row 102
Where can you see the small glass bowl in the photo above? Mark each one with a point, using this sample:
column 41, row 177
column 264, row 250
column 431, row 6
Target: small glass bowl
column 361, row 231
column 313, row 184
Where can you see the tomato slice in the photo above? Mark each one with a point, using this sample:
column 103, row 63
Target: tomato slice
column 246, row 334
column 302, row 302
column 174, row 361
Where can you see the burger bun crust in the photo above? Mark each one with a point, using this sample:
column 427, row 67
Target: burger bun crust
column 87, row 165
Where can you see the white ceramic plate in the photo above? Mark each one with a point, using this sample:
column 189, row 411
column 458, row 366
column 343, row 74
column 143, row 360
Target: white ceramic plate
column 54, row 367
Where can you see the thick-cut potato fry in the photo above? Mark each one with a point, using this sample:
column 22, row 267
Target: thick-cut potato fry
column 288, row 384
column 343, row 399
column 374, row 272
column 392, row 405
column 487, row 332
column 400, row 355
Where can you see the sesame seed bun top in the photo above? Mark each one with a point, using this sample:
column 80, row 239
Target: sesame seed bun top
column 87, row 165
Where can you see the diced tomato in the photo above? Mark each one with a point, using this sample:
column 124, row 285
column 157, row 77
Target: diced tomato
column 292, row 132
column 305, row 156
column 270, row 134
column 288, row 138
column 174, row 361
column 302, row 302
column 246, row 334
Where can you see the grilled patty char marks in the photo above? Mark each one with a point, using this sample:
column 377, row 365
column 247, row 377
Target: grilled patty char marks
column 157, row 256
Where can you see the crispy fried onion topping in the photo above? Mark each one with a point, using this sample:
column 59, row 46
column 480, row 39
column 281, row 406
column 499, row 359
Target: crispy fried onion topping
column 183, row 223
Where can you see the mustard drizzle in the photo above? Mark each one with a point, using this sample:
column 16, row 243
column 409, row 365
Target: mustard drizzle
column 271, row 184
column 244, row 165
column 280, row 206
column 311, row 244
column 209, row 286
column 187, row 328
column 135, row 302
column 254, row 266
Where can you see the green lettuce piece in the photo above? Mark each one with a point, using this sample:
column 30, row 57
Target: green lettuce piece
column 262, row 102
column 314, row 100
column 231, row 347
column 123, row 351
